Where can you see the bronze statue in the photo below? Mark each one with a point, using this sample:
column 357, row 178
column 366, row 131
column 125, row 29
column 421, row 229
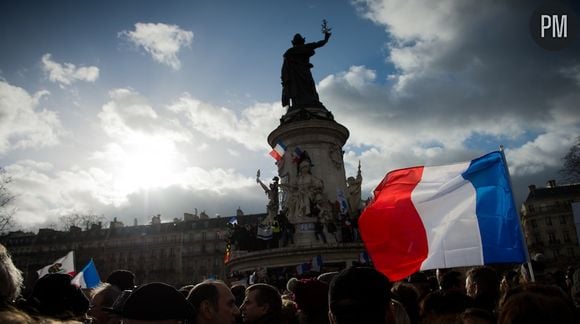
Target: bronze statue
column 272, row 193
column 298, row 88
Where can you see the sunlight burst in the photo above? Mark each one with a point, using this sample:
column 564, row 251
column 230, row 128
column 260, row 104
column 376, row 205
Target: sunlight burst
column 148, row 162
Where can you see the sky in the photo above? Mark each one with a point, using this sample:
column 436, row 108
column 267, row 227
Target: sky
column 130, row 109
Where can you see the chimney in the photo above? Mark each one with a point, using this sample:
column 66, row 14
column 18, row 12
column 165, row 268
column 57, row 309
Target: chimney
column 532, row 187
column 551, row 184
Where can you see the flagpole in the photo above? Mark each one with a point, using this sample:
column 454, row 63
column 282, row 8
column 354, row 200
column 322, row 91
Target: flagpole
column 501, row 150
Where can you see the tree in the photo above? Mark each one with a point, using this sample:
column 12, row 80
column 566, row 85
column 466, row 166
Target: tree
column 571, row 169
column 6, row 198
column 79, row 220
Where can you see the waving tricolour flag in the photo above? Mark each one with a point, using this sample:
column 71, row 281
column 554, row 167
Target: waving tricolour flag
column 278, row 151
column 66, row 264
column 444, row 216
column 88, row 277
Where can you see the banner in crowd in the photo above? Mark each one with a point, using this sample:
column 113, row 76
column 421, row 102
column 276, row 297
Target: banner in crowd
column 444, row 216
column 88, row 277
column 66, row 264
column 314, row 265
column 264, row 232
column 233, row 221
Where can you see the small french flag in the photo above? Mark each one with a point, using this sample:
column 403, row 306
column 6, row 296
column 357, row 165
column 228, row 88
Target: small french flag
column 88, row 277
column 278, row 151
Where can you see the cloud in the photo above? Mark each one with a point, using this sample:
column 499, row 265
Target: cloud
column 22, row 123
column 466, row 78
column 249, row 129
column 128, row 116
column 44, row 193
column 68, row 73
column 161, row 41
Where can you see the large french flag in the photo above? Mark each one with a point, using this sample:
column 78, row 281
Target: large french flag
column 441, row 217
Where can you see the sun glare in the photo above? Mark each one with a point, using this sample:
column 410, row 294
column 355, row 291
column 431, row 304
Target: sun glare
column 147, row 163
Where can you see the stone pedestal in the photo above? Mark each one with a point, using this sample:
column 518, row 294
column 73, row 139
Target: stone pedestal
column 323, row 139
column 312, row 130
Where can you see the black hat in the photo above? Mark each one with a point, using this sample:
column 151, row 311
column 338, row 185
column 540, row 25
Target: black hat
column 123, row 279
column 54, row 295
column 156, row 301
column 117, row 306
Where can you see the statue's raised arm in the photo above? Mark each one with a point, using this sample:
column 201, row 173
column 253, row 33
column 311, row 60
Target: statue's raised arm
column 298, row 88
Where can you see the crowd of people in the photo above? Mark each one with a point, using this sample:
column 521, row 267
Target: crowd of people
column 357, row 294
column 341, row 229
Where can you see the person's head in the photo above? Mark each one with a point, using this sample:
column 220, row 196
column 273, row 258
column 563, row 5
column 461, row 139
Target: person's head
column 482, row 284
column 420, row 281
column 477, row 316
column 101, row 297
column 408, row 296
column 53, row 295
column 261, row 300
column 156, row 303
column 298, row 40
column 311, row 296
column 327, row 277
column 442, row 304
column 214, row 303
column 537, row 303
column 453, row 280
column 360, row 295
column 123, row 279
column 289, row 311
column 239, row 292
column 184, row 290
column 10, row 277
column 14, row 315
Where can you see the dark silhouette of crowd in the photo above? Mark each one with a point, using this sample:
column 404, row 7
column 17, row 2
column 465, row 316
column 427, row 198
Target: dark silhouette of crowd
column 356, row 294
column 340, row 228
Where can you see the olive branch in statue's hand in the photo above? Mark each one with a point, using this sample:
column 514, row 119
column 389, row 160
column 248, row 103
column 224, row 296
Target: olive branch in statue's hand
column 325, row 28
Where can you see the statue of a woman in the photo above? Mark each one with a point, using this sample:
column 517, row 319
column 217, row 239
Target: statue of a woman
column 298, row 88
column 305, row 195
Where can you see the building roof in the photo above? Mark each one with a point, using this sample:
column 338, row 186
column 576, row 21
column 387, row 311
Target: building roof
column 560, row 191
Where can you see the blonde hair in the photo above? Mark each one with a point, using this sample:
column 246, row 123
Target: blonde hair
column 10, row 277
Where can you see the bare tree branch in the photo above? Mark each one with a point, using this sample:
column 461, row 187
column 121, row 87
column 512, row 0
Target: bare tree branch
column 6, row 197
column 79, row 220
column 571, row 168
